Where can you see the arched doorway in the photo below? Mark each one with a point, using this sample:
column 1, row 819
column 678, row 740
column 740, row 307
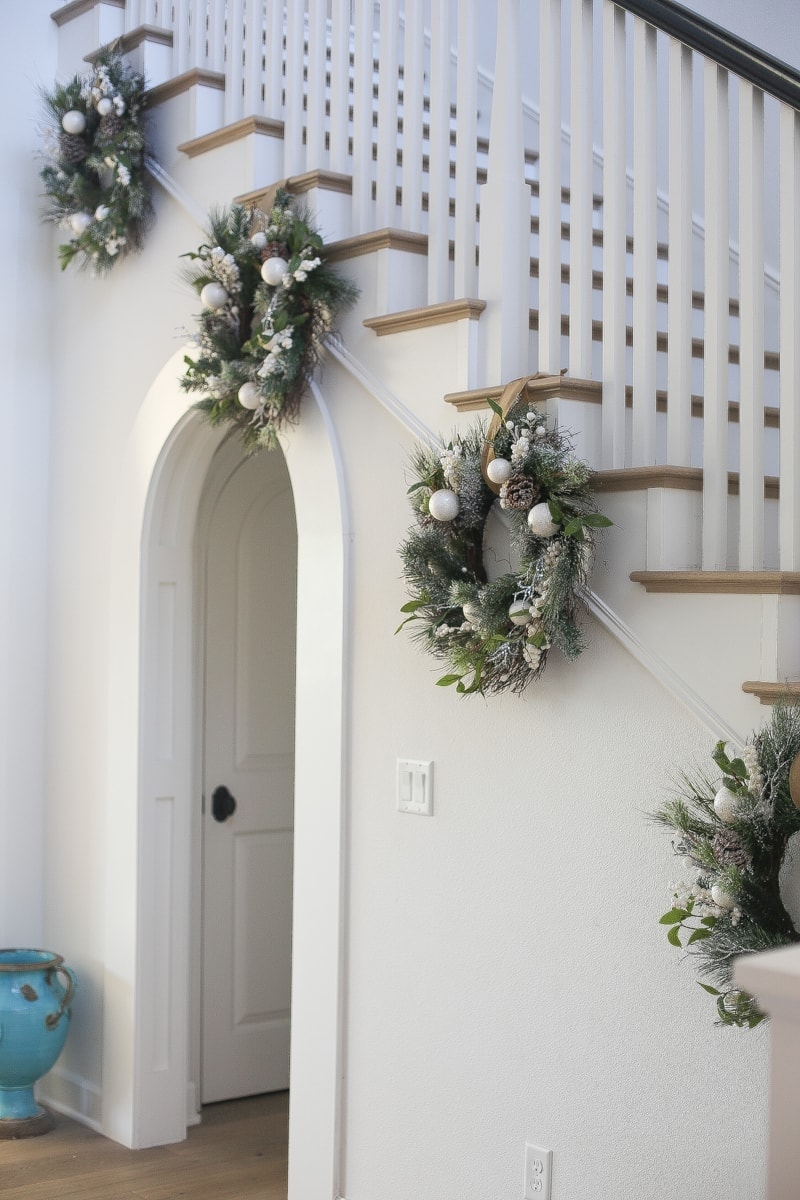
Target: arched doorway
column 154, row 774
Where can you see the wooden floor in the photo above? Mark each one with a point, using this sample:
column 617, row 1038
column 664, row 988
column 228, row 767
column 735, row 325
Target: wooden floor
column 239, row 1151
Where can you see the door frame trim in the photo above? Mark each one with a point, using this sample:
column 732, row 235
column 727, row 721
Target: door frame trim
column 152, row 781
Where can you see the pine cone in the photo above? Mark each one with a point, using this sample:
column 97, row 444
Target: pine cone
column 729, row 851
column 275, row 250
column 519, row 492
column 110, row 127
column 72, row 148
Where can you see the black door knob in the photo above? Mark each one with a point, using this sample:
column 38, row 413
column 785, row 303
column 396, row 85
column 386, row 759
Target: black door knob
column 223, row 805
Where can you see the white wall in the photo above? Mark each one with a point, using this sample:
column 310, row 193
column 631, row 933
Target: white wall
column 25, row 332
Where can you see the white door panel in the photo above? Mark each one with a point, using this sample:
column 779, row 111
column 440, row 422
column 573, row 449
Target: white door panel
column 249, row 749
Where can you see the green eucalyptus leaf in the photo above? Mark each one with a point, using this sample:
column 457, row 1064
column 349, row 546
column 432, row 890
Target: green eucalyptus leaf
column 712, row 991
column 596, row 521
column 495, row 407
column 673, row 916
column 674, row 935
column 448, row 680
column 699, row 935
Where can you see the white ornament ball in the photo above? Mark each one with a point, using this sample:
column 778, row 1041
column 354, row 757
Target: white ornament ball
column 79, row 222
column 721, row 898
column 259, row 239
column 443, row 505
column 725, row 804
column 105, row 106
column 540, row 522
column 273, row 270
column 249, row 395
column 499, row 470
column 214, row 295
column 519, row 613
column 73, row 121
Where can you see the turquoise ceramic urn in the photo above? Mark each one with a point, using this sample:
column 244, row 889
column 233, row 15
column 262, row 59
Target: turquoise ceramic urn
column 36, row 991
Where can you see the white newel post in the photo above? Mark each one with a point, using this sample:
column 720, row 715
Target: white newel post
column 774, row 978
column 506, row 214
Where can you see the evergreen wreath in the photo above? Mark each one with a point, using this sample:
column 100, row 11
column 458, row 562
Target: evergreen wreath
column 94, row 173
column 269, row 299
column 733, row 840
column 496, row 634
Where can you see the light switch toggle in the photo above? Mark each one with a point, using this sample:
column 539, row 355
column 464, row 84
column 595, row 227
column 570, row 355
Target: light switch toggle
column 415, row 786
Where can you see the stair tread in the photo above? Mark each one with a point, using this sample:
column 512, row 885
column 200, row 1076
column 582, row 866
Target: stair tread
column 784, row 583
column 787, row 691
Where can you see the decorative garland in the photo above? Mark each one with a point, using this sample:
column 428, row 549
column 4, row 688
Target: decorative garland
column 269, row 300
column 733, row 840
column 496, row 634
column 94, row 175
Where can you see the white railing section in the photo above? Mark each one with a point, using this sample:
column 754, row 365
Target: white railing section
column 682, row 280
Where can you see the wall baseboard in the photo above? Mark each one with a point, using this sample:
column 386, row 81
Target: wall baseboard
column 74, row 1096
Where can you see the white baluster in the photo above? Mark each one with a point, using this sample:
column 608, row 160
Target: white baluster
column 414, row 58
column 550, row 186
column 234, row 66
column 217, row 16
column 439, row 156
column 644, row 244
column 181, row 47
column 253, row 72
column 362, row 116
column 274, row 59
column 133, row 15
column 340, row 86
column 466, row 226
column 679, row 304
column 197, row 55
column 293, row 153
column 614, row 250
column 316, row 154
column 790, row 353
column 717, row 301
column 506, row 213
column 580, row 191
column 751, row 328
column 386, row 137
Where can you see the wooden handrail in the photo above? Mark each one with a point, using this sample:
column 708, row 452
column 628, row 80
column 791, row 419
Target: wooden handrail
column 745, row 60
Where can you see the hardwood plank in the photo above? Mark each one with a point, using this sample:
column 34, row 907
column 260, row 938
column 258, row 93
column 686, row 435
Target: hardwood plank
column 239, row 1151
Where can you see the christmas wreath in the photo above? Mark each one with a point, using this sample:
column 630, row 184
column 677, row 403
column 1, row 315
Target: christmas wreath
column 496, row 634
column 269, row 299
column 733, row 840
column 94, row 174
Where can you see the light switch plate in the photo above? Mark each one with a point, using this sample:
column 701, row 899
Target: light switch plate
column 415, row 786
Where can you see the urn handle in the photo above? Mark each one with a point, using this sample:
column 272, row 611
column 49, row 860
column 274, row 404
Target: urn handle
column 223, row 804
column 52, row 1019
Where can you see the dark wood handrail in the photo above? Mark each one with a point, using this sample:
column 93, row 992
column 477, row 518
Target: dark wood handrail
column 759, row 68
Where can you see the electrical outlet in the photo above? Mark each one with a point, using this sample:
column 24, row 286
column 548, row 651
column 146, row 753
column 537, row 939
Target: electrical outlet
column 538, row 1170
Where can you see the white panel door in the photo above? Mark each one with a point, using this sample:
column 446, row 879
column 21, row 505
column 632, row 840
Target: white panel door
column 249, row 754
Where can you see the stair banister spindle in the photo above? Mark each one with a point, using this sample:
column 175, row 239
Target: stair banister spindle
column 414, row 57
column 293, row 151
column 789, row 503
column 234, row 66
column 340, row 86
column 580, row 191
column 181, row 48
column 614, row 234
column 362, row 115
column 466, row 232
column 197, row 48
column 316, row 154
column 506, row 213
column 717, row 298
column 386, row 139
column 439, row 168
column 216, row 17
column 253, row 71
column 644, row 243
column 679, row 303
column 751, row 327
column 550, row 186
column 273, row 30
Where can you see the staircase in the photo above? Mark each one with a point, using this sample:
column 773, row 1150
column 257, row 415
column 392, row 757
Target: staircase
column 555, row 223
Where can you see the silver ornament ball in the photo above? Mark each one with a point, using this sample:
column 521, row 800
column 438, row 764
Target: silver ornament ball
column 273, row 270
column 721, row 898
column 499, row 470
column 443, row 505
column 259, row 239
column 105, row 106
column 214, row 296
column 725, row 804
column 540, row 521
column 249, row 395
column 73, row 121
